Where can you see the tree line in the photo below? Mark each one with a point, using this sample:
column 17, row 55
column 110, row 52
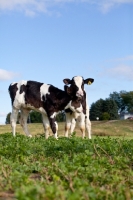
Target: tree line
column 111, row 107
column 36, row 117
column 102, row 109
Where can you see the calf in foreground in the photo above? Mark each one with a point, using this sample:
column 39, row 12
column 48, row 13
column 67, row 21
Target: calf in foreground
column 82, row 118
column 44, row 98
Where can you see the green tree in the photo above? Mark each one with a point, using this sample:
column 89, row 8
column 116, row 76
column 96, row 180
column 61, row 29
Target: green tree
column 105, row 116
column 96, row 109
column 35, row 117
column 60, row 117
column 116, row 96
column 104, row 109
column 111, row 108
column 8, row 118
column 128, row 100
column 123, row 99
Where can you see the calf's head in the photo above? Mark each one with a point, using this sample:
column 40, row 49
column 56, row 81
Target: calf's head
column 76, row 87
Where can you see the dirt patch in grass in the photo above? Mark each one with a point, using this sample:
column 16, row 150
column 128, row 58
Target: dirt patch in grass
column 7, row 195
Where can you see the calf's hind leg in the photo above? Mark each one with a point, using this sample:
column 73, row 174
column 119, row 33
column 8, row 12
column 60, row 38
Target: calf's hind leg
column 88, row 127
column 73, row 124
column 46, row 125
column 68, row 124
column 81, row 123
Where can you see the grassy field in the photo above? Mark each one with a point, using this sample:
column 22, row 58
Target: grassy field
column 68, row 168
column 122, row 128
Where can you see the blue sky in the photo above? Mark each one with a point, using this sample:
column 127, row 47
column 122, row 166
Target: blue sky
column 48, row 41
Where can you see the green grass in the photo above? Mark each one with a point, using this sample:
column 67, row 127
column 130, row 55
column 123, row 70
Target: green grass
column 122, row 128
column 35, row 168
column 68, row 168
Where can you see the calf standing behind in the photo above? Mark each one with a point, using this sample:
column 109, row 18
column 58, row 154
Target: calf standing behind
column 44, row 98
column 82, row 118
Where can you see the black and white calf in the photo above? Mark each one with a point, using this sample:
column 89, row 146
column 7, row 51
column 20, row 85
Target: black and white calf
column 46, row 99
column 82, row 118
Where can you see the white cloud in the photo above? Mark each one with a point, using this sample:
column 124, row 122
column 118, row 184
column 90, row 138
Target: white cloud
column 3, row 114
column 6, row 75
column 31, row 7
column 126, row 58
column 121, row 72
column 106, row 5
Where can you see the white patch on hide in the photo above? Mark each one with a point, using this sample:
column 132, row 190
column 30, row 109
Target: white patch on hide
column 19, row 98
column 41, row 109
column 54, row 115
column 44, row 90
column 72, row 108
column 78, row 81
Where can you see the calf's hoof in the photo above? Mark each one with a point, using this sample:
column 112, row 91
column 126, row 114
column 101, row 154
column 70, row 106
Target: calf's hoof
column 30, row 136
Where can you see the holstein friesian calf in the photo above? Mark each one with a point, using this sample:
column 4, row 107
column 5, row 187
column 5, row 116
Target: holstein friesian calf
column 46, row 99
column 82, row 118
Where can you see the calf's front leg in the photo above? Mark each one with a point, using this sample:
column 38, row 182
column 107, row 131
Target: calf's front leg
column 13, row 120
column 54, row 126
column 23, row 121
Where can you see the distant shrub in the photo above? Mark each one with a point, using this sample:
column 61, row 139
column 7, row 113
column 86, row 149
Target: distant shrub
column 105, row 116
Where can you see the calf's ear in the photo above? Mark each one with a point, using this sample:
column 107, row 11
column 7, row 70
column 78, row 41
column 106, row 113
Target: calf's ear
column 67, row 81
column 67, row 90
column 89, row 81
